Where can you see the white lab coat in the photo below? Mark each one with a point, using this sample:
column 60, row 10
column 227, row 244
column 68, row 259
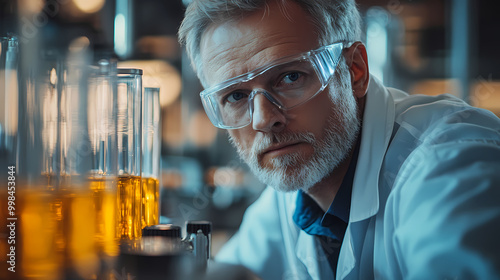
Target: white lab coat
column 425, row 200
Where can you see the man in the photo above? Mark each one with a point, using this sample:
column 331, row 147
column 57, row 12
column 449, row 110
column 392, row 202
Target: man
column 364, row 181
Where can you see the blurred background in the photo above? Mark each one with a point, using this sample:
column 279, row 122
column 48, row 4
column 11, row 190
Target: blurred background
column 420, row 46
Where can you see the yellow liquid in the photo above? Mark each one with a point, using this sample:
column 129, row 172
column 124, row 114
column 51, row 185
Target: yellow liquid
column 129, row 207
column 55, row 234
column 150, row 201
column 36, row 252
column 105, row 204
column 78, row 217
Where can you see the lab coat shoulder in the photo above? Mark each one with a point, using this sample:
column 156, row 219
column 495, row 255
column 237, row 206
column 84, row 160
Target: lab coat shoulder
column 443, row 118
column 442, row 217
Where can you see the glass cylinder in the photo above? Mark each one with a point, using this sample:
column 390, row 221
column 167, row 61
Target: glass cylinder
column 151, row 157
column 129, row 89
column 40, row 241
column 102, row 125
column 75, row 194
column 56, row 237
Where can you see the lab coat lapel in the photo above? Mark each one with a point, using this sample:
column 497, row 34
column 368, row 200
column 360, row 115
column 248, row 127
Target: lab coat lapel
column 311, row 254
column 378, row 122
column 377, row 127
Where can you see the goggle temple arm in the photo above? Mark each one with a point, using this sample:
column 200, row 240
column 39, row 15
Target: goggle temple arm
column 326, row 62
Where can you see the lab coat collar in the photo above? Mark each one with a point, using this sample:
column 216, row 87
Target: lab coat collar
column 378, row 122
column 377, row 127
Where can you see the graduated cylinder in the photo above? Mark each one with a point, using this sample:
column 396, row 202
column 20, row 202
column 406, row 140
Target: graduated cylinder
column 151, row 152
column 129, row 88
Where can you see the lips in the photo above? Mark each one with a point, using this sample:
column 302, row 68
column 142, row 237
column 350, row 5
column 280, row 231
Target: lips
column 278, row 147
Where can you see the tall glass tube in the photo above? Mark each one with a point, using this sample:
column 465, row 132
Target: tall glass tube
column 102, row 122
column 129, row 88
column 39, row 240
column 151, row 153
column 56, row 214
column 75, row 196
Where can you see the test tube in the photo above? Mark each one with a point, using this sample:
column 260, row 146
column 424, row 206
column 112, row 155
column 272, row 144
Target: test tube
column 129, row 89
column 75, row 193
column 151, row 153
column 39, row 240
column 56, row 215
column 102, row 122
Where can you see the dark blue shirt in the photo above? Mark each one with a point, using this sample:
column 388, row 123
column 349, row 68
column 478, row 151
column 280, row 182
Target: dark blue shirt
column 329, row 227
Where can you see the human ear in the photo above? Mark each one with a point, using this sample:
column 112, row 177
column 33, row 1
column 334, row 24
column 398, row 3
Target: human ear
column 357, row 61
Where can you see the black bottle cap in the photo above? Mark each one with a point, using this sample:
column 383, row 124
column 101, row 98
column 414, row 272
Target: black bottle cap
column 129, row 71
column 166, row 230
column 194, row 226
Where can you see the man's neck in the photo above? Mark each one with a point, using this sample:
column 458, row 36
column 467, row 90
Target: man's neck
column 325, row 191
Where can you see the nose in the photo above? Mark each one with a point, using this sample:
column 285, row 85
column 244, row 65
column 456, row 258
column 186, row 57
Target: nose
column 266, row 116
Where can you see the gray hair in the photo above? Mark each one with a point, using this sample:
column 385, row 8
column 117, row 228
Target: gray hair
column 335, row 20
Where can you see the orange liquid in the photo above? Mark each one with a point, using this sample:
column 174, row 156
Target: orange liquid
column 56, row 232
column 150, row 202
column 104, row 195
column 129, row 207
column 78, row 218
column 36, row 253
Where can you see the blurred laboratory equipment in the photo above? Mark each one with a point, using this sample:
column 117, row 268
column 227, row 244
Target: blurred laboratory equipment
column 9, row 52
column 199, row 240
column 163, row 253
column 9, row 91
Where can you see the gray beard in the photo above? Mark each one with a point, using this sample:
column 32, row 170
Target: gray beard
column 292, row 172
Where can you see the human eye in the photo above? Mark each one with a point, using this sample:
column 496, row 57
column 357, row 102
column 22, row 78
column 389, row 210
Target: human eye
column 235, row 96
column 291, row 80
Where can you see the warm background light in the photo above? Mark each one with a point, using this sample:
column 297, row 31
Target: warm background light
column 201, row 131
column 436, row 86
column 166, row 47
column 29, row 7
column 172, row 128
column 89, row 6
column 160, row 74
column 79, row 44
column 485, row 94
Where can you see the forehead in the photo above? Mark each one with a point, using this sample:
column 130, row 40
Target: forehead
column 234, row 48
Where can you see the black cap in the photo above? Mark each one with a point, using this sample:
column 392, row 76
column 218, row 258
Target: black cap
column 194, row 226
column 129, row 71
column 166, row 230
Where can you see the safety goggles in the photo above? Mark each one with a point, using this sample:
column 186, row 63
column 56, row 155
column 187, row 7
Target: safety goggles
column 287, row 82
